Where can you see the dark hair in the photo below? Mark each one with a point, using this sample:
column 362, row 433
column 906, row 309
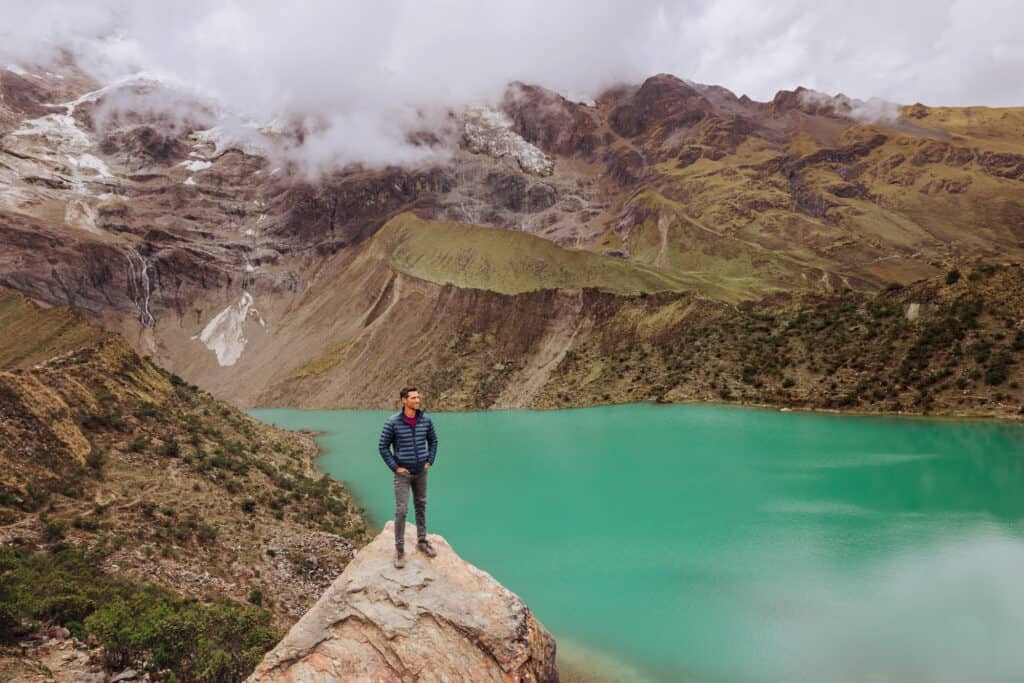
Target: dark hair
column 405, row 391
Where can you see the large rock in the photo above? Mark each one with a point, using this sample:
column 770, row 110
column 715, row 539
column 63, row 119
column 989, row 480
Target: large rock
column 437, row 619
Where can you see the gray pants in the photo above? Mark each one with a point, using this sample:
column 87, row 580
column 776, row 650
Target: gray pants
column 418, row 482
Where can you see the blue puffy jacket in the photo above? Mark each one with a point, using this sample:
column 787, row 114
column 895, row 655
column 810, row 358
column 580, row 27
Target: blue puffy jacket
column 413, row 446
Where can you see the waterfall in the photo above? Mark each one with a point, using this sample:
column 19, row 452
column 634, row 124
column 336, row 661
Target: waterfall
column 139, row 288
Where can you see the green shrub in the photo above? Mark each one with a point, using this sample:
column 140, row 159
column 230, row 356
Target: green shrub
column 96, row 459
column 134, row 623
column 206, row 533
column 111, row 419
column 169, row 448
column 999, row 370
column 146, row 410
column 53, row 530
column 85, row 523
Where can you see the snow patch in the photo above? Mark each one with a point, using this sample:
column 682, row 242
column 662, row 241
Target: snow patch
column 15, row 69
column 138, row 79
column 578, row 98
column 59, row 131
column 189, row 181
column 225, row 333
column 91, row 162
column 488, row 131
column 79, row 214
column 196, row 164
column 222, row 139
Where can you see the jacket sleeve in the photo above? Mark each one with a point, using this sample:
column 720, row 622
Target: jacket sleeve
column 387, row 437
column 432, row 442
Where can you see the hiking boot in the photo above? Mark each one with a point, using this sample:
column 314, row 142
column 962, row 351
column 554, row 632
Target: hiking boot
column 425, row 547
column 399, row 559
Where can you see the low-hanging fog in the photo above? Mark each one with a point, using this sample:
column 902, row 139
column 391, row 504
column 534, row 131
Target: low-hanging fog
column 362, row 75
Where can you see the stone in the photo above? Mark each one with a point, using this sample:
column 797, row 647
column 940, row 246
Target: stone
column 92, row 677
column 126, row 675
column 437, row 619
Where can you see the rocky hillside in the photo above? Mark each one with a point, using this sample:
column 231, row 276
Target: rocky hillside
column 952, row 345
column 112, row 469
column 243, row 275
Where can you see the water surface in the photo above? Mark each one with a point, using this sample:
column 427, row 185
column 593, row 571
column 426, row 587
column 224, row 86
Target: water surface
column 708, row 543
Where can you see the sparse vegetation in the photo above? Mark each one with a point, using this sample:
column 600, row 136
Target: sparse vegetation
column 137, row 624
column 118, row 461
column 845, row 351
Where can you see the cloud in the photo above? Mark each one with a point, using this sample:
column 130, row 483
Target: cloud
column 874, row 110
column 367, row 72
column 940, row 611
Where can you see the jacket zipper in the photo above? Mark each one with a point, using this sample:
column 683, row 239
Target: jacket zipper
column 415, row 448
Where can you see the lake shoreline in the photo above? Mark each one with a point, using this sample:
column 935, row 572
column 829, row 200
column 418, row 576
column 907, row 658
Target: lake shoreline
column 1008, row 416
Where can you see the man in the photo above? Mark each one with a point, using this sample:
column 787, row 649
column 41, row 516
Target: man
column 410, row 433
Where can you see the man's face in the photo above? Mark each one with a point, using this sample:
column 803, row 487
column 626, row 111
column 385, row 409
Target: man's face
column 412, row 400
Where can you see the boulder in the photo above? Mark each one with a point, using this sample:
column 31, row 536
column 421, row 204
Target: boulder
column 436, row 619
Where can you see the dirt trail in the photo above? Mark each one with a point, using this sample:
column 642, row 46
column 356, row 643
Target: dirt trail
column 557, row 340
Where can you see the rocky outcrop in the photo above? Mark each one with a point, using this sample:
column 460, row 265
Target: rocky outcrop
column 437, row 619
column 550, row 121
column 487, row 131
column 662, row 100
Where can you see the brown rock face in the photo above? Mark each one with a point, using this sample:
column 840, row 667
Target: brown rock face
column 437, row 619
column 550, row 121
column 662, row 100
column 352, row 206
column 22, row 95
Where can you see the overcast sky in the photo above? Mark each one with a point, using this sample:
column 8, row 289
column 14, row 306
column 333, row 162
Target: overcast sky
column 366, row 66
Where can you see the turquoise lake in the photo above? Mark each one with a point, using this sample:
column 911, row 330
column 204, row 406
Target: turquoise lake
column 717, row 544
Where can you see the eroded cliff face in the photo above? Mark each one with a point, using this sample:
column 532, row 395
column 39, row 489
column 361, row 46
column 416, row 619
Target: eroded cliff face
column 436, row 619
column 248, row 277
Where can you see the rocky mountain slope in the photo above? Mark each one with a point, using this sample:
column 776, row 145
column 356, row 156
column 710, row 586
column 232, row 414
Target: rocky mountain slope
column 484, row 276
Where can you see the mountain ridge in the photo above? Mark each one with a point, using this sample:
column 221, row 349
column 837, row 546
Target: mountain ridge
column 210, row 257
